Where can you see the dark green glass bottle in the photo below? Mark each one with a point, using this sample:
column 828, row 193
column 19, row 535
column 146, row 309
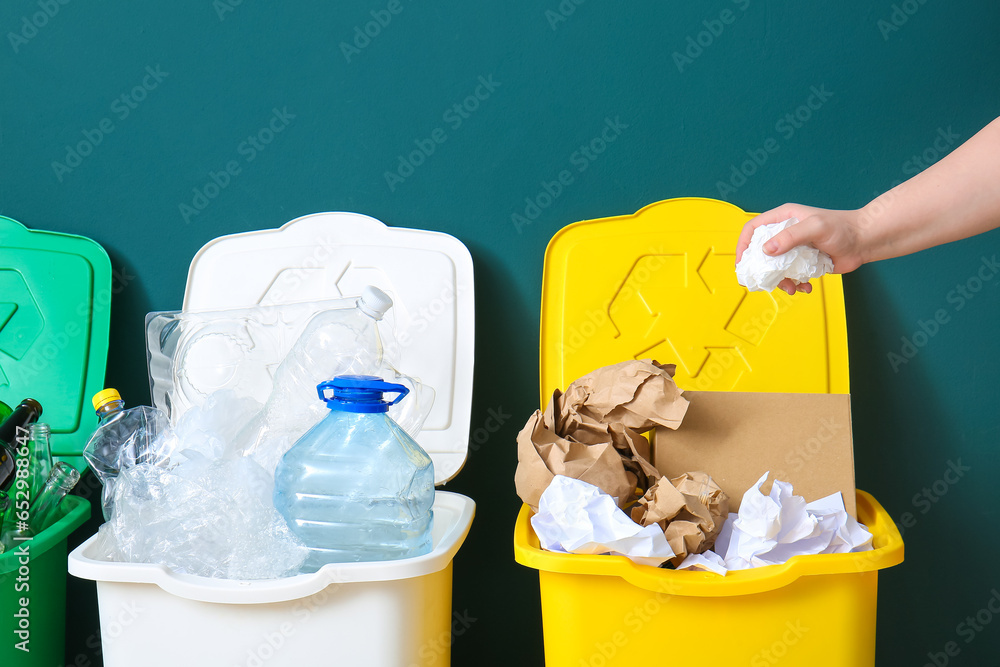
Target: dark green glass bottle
column 13, row 436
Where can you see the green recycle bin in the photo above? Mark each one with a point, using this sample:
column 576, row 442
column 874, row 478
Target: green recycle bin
column 55, row 308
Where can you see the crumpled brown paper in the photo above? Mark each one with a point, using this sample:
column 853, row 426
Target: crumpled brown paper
column 593, row 431
column 690, row 509
column 542, row 454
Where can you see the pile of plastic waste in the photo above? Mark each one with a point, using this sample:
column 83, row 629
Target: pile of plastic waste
column 195, row 491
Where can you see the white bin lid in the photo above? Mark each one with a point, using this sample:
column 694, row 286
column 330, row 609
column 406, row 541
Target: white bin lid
column 334, row 255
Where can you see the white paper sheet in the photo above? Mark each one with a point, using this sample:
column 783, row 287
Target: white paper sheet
column 771, row 529
column 577, row 517
column 708, row 562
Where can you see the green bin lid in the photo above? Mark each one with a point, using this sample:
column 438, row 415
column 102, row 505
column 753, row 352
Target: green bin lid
column 55, row 311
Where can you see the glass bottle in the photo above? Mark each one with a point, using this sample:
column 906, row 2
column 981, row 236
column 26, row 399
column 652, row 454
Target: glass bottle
column 13, row 436
column 39, row 437
column 60, row 481
column 41, row 514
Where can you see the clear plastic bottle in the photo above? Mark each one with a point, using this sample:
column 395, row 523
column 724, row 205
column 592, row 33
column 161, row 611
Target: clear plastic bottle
column 335, row 342
column 122, row 439
column 356, row 487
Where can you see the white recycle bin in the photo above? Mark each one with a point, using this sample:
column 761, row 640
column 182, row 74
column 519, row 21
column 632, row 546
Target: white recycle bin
column 383, row 614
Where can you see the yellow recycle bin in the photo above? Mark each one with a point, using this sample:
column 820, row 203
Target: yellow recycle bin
column 660, row 284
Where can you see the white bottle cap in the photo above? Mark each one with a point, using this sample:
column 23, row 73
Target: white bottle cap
column 374, row 302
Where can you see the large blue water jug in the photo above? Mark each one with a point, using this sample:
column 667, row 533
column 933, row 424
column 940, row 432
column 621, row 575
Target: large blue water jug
column 356, row 487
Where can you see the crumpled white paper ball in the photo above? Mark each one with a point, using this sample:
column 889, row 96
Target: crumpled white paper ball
column 577, row 517
column 762, row 273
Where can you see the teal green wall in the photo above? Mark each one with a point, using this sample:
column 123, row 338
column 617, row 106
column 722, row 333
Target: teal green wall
column 223, row 74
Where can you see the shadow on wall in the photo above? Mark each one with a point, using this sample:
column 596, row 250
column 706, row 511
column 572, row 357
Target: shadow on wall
column 127, row 346
column 126, row 371
column 505, row 394
column 900, row 433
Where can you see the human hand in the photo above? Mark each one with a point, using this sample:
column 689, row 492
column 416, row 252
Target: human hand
column 837, row 233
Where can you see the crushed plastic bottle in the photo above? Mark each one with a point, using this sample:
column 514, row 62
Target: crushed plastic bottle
column 123, row 438
column 188, row 508
column 335, row 342
column 356, row 487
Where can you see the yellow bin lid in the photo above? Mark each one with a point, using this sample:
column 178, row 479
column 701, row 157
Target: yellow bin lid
column 661, row 283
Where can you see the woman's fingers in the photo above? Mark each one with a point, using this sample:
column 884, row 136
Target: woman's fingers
column 779, row 214
column 803, row 233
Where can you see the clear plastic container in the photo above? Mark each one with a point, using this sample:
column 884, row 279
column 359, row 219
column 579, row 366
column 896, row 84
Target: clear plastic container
column 193, row 355
column 356, row 487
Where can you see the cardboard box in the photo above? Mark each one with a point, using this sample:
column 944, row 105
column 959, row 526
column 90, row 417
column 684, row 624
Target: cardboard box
column 804, row 439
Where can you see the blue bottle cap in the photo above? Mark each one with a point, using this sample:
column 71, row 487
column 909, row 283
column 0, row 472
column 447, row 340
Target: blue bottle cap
column 359, row 393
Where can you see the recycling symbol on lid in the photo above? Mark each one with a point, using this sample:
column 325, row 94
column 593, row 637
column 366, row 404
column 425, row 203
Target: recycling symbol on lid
column 21, row 321
column 688, row 308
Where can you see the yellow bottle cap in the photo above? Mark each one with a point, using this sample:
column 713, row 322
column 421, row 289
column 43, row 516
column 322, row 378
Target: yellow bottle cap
column 104, row 397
